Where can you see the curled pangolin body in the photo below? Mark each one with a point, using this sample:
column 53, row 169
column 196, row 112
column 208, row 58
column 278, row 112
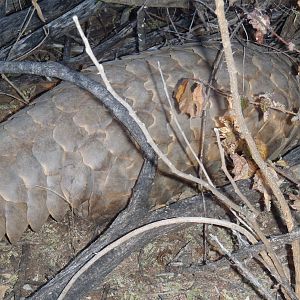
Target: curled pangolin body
column 66, row 151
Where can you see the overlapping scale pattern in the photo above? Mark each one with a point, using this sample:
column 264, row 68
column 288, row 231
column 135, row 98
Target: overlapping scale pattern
column 66, row 151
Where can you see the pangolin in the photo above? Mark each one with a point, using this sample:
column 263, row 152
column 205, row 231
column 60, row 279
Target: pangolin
column 66, row 151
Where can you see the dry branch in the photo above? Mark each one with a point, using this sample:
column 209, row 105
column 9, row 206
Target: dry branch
column 145, row 229
column 56, row 70
column 11, row 24
column 244, row 271
column 153, row 3
column 270, row 179
column 55, row 26
column 189, row 207
column 244, row 253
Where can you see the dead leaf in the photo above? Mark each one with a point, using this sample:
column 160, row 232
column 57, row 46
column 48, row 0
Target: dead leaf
column 180, row 90
column 260, row 23
column 190, row 97
column 228, row 134
column 3, row 289
column 244, row 167
column 241, row 167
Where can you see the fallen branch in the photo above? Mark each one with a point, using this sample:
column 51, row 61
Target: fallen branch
column 190, row 207
column 55, row 27
column 152, row 3
column 124, row 223
column 146, row 229
column 245, row 253
column 244, row 271
column 268, row 175
column 11, row 25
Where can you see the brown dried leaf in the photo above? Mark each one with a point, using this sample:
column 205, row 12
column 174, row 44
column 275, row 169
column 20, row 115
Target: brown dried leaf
column 180, row 89
column 241, row 167
column 190, row 97
column 228, row 134
column 244, row 168
column 260, row 22
column 3, row 289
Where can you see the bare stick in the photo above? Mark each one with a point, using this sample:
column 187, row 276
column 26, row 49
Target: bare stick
column 189, row 177
column 225, row 170
column 180, row 129
column 269, row 177
column 284, row 174
column 25, row 101
column 131, row 112
column 243, row 270
column 14, row 97
column 122, row 240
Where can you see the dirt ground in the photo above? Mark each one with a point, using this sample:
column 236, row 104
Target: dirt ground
column 160, row 270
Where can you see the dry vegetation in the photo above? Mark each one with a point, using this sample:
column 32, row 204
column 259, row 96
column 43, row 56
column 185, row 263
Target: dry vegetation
column 239, row 258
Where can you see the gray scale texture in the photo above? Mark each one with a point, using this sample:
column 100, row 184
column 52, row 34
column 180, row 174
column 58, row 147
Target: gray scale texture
column 66, row 151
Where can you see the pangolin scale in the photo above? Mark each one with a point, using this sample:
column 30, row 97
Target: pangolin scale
column 66, row 150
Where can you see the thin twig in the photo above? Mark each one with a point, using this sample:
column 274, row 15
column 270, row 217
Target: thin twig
column 14, row 97
column 180, row 129
column 269, row 177
column 151, row 226
column 22, row 30
column 225, row 170
column 161, row 155
column 174, row 27
column 243, row 270
column 46, row 32
column 284, row 174
column 15, row 88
